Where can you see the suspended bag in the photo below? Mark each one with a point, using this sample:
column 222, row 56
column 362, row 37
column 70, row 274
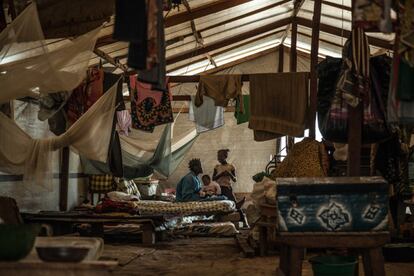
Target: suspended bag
column 355, row 75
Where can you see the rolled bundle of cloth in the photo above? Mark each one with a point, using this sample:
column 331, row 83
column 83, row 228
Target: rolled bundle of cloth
column 278, row 105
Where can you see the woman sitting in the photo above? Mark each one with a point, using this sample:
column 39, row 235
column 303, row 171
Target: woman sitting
column 189, row 187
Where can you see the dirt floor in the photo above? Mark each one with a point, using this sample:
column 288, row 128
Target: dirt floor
column 204, row 256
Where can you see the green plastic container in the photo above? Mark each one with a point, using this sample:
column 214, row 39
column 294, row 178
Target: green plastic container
column 333, row 265
column 16, row 241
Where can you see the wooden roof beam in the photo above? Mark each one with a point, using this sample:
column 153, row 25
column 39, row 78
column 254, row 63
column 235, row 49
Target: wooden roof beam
column 345, row 33
column 229, row 49
column 111, row 60
column 253, row 12
column 201, row 11
column 227, row 41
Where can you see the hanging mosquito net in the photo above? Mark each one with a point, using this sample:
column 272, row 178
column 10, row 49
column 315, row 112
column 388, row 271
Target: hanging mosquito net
column 89, row 136
column 163, row 150
column 31, row 65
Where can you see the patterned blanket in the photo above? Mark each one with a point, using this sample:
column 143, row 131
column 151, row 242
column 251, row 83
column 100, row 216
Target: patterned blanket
column 152, row 207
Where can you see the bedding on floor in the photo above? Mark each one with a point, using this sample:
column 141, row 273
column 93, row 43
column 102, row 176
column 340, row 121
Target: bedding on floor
column 153, row 207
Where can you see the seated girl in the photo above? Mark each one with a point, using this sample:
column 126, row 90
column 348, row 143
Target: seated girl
column 210, row 188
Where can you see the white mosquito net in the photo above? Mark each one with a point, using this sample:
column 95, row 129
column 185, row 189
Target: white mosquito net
column 89, row 136
column 31, row 65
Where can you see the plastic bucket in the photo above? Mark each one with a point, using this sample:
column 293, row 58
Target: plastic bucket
column 333, row 265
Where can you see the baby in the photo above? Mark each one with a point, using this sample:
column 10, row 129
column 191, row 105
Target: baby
column 210, row 188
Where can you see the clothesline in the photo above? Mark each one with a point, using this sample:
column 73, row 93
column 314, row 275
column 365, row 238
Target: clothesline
column 195, row 79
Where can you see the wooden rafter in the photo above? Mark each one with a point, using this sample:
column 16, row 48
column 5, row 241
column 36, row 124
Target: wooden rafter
column 227, row 41
column 345, row 33
column 201, row 11
column 335, row 5
column 253, row 12
column 228, row 49
column 242, row 60
column 111, row 60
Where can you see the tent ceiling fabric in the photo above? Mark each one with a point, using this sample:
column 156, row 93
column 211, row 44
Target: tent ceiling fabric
column 230, row 29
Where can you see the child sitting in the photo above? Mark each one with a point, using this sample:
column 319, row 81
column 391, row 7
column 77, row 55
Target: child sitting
column 210, row 188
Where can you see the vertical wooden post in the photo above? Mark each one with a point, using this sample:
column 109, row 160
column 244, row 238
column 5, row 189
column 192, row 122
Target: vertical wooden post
column 290, row 141
column 64, row 180
column 281, row 58
column 3, row 22
column 314, row 62
column 12, row 9
column 280, row 70
column 355, row 133
column 293, row 43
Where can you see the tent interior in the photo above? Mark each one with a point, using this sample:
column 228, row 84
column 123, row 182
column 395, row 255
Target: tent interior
column 80, row 178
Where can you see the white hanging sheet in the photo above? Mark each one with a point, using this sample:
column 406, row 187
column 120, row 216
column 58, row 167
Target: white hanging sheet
column 89, row 136
column 30, row 67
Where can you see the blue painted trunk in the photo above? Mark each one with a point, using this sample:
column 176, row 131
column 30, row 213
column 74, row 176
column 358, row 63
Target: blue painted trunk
column 332, row 204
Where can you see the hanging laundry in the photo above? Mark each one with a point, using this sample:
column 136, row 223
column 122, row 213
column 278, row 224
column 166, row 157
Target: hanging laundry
column 149, row 107
column 85, row 95
column 278, row 104
column 155, row 72
column 242, row 112
column 208, row 116
column 221, row 88
column 124, row 122
column 372, row 15
column 131, row 26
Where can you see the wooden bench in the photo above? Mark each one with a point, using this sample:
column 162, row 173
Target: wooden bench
column 97, row 222
column 39, row 268
column 368, row 244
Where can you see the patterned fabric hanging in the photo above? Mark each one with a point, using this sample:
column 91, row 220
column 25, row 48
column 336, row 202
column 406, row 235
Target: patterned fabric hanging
column 149, row 107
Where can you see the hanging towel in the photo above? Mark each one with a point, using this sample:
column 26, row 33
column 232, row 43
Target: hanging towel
column 208, row 116
column 144, row 90
column 242, row 112
column 221, row 88
column 279, row 103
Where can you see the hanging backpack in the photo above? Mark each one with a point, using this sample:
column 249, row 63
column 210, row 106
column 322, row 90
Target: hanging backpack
column 355, row 76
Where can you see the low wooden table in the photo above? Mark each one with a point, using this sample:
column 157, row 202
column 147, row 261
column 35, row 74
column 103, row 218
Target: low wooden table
column 39, row 268
column 369, row 244
column 97, row 221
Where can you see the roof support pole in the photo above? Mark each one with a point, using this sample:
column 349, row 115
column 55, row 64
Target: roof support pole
column 64, row 179
column 292, row 66
column 314, row 62
column 355, row 135
column 3, row 22
column 280, row 70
